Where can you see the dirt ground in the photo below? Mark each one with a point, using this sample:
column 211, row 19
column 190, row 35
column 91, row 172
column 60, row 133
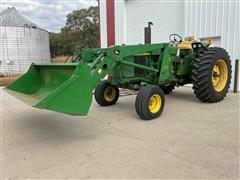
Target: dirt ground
column 191, row 140
column 6, row 80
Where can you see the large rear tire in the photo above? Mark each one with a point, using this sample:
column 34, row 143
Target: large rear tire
column 149, row 102
column 211, row 75
column 106, row 94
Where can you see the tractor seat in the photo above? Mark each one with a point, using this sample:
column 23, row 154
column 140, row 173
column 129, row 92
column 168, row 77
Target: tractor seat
column 187, row 43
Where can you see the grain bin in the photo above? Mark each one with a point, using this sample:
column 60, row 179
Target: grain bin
column 22, row 42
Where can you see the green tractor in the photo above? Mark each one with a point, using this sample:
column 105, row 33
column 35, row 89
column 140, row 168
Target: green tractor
column 151, row 69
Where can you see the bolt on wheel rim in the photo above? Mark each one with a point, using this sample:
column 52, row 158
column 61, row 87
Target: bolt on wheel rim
column 154, row 104
column 109, row 94
column 219, row 75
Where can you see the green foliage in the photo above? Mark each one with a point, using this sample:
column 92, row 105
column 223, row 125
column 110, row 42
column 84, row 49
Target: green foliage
column 80, row 32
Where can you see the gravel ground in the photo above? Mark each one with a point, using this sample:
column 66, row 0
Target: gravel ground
column 191, row 140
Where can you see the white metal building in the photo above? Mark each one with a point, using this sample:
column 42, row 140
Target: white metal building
column 123, row 21
column 21, row 43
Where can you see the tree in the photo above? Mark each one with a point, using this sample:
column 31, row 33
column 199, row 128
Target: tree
column 80, row 32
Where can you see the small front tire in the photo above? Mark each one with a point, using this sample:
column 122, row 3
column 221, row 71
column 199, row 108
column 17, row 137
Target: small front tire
column 150, row 102
column 106, row 94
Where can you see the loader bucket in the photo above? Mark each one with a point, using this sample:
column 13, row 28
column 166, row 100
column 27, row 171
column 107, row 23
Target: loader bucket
column 58, row 87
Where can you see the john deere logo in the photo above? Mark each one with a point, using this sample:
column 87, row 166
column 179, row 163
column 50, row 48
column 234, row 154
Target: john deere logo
column 117, row 52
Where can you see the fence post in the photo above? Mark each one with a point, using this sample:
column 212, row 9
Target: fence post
column 235, row 89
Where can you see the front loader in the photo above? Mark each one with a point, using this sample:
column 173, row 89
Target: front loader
column 151, row 69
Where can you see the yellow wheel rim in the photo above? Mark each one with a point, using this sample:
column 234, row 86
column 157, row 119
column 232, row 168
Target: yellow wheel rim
column 154, row 104
column 109, row 94
column 219, row 75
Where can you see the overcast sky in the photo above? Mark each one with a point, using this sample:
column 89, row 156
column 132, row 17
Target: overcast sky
column 50, row 14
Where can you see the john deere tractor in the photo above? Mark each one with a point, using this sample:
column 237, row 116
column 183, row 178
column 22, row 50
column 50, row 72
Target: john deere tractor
column 151, row 69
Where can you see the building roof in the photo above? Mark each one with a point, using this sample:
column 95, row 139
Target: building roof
column 11, row 17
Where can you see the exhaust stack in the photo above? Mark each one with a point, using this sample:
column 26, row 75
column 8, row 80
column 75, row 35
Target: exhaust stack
column 147, row 33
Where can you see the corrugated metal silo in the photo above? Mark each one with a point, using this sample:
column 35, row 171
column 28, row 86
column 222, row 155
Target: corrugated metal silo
column 21, row 43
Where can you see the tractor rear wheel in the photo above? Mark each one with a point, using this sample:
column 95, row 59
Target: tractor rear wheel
column 168, row 88
column 149, row 102
column 211, row 75
column 106, row 94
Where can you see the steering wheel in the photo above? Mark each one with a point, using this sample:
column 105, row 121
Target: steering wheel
column 175, row 38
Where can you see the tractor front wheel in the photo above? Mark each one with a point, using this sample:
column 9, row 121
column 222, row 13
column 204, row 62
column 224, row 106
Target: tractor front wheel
column 150, row 102
column 211, row 75
column 106, row 94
